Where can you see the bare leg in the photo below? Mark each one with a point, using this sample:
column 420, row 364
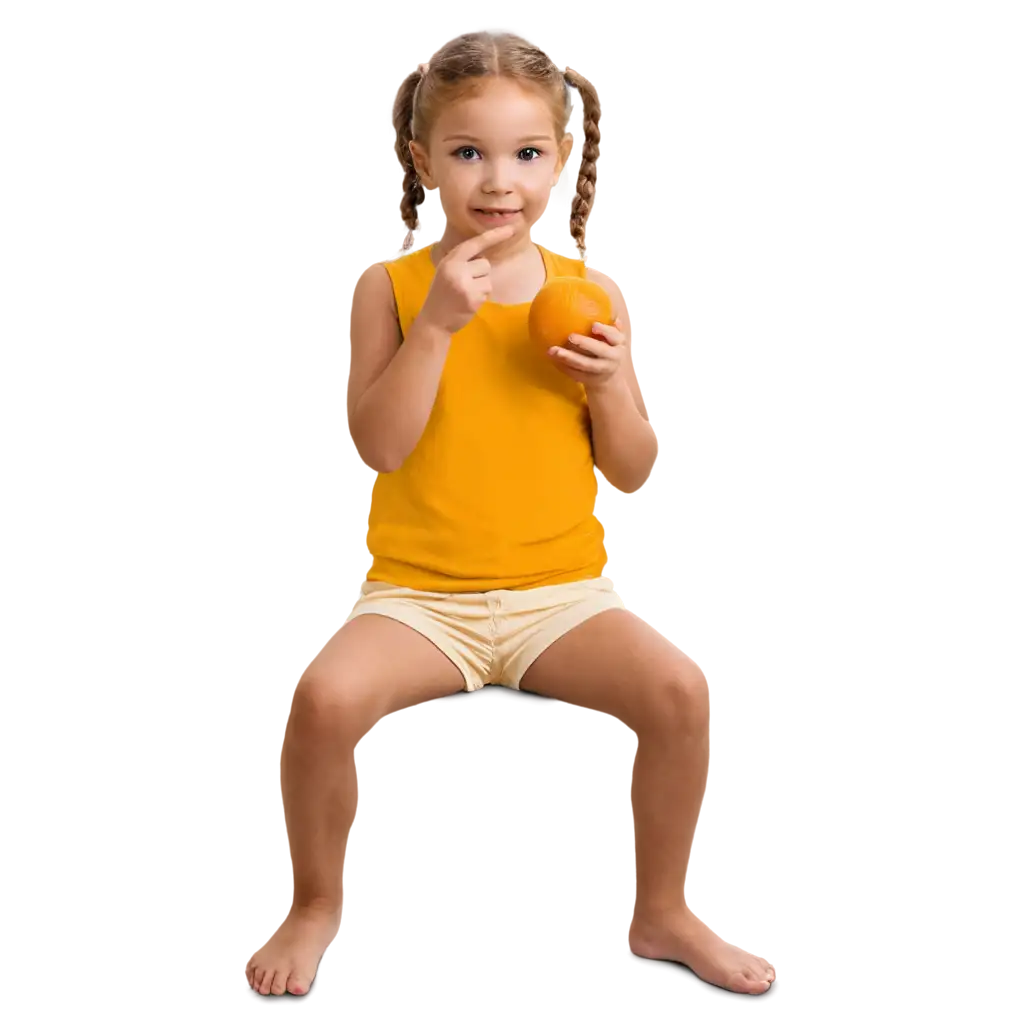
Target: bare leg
column 616, row 663
column 371, row 667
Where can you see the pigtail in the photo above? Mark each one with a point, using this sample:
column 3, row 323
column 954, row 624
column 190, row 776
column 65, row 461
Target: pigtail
column 401, row 118
column 586, row 184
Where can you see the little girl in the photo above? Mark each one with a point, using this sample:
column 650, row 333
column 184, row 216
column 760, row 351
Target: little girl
column 487, row 555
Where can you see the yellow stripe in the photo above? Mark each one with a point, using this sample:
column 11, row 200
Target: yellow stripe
column 819, row 535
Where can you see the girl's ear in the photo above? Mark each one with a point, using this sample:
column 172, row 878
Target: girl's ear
column 422, row 164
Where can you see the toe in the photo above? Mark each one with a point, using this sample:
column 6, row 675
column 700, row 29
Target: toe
column 744, row 981
column 297, row 986
column 277, row 988
column 755, row 980
column 264, row 978
column 758, row 964
column 759, row 970
column 741, row 982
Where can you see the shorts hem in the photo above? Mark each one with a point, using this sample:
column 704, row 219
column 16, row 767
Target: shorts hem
column 529, row 654
column 437, row 638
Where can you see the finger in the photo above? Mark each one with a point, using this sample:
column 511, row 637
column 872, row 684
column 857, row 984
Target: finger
column 584, row 362
column 609, row 334
column 473, row 246
column 598, row 346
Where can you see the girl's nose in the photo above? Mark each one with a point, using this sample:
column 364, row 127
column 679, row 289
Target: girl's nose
column 498, row 181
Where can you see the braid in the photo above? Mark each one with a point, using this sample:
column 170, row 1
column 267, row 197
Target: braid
column 401, row 118
column 586, row 184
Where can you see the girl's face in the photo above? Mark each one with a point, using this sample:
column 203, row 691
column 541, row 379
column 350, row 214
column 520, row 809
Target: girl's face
column 495, row 150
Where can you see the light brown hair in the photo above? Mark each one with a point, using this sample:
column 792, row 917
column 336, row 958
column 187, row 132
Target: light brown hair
column 459, row 69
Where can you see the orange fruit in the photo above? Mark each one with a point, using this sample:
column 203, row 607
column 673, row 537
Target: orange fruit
column 567, row 305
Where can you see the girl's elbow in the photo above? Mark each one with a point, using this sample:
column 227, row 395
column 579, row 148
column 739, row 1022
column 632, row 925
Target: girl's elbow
column 370, row 457
column 376, row 460
column 637, row 484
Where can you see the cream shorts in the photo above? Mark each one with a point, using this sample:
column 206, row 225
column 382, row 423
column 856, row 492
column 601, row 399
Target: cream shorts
column 493, row 636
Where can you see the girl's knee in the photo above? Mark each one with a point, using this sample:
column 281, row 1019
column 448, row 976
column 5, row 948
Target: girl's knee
column 679, row 696
column 326, row 704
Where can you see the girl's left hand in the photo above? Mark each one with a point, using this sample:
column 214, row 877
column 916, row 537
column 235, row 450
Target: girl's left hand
column 594, row 362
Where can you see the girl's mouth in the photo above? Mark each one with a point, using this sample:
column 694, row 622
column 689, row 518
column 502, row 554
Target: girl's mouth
column 504, row 215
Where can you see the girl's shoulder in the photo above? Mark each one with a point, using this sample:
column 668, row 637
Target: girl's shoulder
column 416, row 255
column 573, row 267
column 386, row 282
column 411, row 270
column 562, row 265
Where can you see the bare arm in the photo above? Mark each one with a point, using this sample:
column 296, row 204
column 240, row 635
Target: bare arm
column 393, row 385
column 626, row 443
column 390, row 384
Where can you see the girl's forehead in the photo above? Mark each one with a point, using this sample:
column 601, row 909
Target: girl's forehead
column 498, row 110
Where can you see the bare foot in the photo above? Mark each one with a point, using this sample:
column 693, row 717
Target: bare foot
column 289, row 961
column 681, row 937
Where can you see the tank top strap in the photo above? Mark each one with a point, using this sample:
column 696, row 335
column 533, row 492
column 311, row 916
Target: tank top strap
column 564, row 266
column 410, row 280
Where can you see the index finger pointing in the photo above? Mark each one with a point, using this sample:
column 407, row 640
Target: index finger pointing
column 474, row 246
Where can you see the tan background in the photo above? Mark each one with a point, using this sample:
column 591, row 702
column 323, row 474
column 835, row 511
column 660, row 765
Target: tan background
column 184, row 196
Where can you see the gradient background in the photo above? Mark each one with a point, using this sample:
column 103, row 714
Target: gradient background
column 824, row 240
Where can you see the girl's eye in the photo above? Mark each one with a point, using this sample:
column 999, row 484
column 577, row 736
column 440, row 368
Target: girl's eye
column 472, row 149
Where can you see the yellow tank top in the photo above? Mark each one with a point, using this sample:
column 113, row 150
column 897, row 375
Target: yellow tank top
column 499, row 492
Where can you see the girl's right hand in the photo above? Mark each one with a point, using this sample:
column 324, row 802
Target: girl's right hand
column 462, row 281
